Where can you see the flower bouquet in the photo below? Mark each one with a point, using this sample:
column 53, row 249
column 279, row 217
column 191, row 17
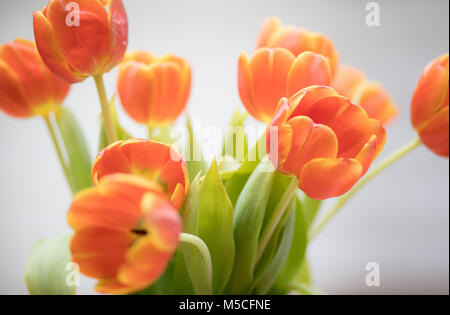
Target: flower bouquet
column 152, row 216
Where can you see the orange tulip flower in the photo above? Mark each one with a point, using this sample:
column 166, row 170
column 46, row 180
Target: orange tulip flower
column 297, row 40
column 125, row 233
column 81, row 38
column 27, row 87
column 153, row 160
column 273, row 73
column 154, row 91
column 352, row 83
column 429, row 106
column 325, row 140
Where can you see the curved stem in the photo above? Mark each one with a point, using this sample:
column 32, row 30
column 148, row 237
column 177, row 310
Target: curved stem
column 62, row 161
column 276, row 217
column 106, row 110
column 201, row 246
column 396, row 155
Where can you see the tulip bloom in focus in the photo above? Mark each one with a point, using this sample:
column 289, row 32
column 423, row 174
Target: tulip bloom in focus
column 78, row 44
column 325, row 140
column 429, row 106
column 371, row 96
column 273, row 73
column 154, row 91
column 297, row 40
column 153, row 160
column 27, row 87
column 125, row 233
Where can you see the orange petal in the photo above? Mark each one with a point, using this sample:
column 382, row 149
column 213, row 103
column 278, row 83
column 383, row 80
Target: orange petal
column 136, row 89
column 368, row 154
column 100, row 251
column 309, row 141
column 50, row 50
column 12, row 98
column 377, row 102
column 86, row 46
column 305, row 100
column 118, row 24
column 245, row 86
column 315, row 177
column 270, row 68
column 270, row 26
column 431, row 92
column 113, row 286
column 114, row 203
column 308, row 69
column 434, row 132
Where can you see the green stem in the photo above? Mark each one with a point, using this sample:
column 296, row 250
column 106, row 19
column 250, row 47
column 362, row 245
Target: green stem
column 202, row 247
column 276, row 217
column 58, row 151
column 106, row 109
column 396, row 155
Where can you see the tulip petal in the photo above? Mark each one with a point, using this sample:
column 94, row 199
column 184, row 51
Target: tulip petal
column 308, row 69
column 113, row 286
column 377, row 102
column 270, row 26
column 431, row 92
column 12, row 98
column 315, row 177
column 434, row 132
column 245, row 85
column 100, row 251
column 50, row 50
column 118, row 23
column 347, row 81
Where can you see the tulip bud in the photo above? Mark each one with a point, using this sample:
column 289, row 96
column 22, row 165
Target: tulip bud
column 429, row 106
column 323, row 139
column 273, row 73
column 371, row 96
column 154, row 91
column 92, row 44
column 297, row 40
column 27, row 87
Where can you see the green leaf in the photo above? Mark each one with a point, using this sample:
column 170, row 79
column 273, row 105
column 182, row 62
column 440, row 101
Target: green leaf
column 281, row 254
column 79, row 163
column 248, row 219
column 310, row 209
column 235, row 142
column 121, row 133
column 237, row 180
column 48, row 268
column 195, row 263
column 194, row 158
column 297, row 250
column 215, row 226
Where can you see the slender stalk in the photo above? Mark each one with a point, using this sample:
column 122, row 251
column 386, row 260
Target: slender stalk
column 396, row 155
column 106, row 110
column 276, row 217
column 58, row 151
column 201, row 246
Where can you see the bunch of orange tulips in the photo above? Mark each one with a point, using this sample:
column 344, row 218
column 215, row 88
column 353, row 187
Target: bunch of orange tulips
column 148, row 219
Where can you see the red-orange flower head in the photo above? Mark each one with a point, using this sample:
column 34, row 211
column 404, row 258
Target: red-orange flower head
column 154, row 91
column 125, row 233
column 297, row 40
column 429, row 106
column 81, row 38
column 325, row 140
column 153, row 160
column 27, row 87
column 371, row 96
column 273, row 73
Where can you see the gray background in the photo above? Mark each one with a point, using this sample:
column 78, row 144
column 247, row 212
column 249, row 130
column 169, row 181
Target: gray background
column 400, row 220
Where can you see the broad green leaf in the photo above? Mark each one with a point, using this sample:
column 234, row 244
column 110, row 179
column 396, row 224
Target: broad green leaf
column 281, row 254
column 194, row 158
column 49, row 270
column 195, row 264
column 237, row 180
column 248, row 219
column 235, row 142
column 79, row 160
column 121, row 133
column 297, row 251
column 310, row 209
column 215, row 226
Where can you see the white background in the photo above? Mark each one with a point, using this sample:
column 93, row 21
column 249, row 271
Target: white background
column 400, row 220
